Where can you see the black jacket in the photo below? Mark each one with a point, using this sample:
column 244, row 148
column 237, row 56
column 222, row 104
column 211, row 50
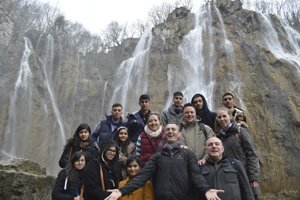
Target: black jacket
column 92, row 179
column 239, row 145
column 174, row 174
column 231, row 178
column 59, row 193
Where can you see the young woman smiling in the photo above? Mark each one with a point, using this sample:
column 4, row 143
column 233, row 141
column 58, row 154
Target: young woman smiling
column 133, row 166
column 152, row 140
column 127, row 147
column 81, row 141
column 69, row 182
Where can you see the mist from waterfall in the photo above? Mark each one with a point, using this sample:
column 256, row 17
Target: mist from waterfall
column 19, row 109
column 131, row 79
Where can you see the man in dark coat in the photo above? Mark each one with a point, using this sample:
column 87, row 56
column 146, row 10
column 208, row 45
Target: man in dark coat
column 174, row 170
column 226, row 174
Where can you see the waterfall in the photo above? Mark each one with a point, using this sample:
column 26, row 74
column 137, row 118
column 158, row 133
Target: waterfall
column 19, row 109
column 131, row 79
column 103, row 98
column 48, row 70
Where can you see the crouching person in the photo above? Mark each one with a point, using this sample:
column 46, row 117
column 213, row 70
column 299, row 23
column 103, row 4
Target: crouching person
column 174, row 170
column 225, row 174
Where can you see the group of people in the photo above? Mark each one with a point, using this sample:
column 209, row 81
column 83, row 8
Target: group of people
column 181, row 154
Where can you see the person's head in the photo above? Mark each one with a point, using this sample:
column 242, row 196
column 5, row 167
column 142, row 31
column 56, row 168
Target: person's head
column 116, row 111
column 198, row 101
column 228, row 100
column 214, row 148
column 133, row 166
column 172, row 133
column 189, row 112
column 177, row 99
column 153, row 121
column 144, row 102
column 122, row 134
column 224, row 117
column 78, row 160
column 83, row 132
column 109, row 150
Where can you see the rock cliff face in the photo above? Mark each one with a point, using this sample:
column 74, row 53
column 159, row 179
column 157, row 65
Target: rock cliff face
column 221, row 48
column 23, row 179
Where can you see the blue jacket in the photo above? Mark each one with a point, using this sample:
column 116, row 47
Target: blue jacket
column 104, row 129
column 136, row 130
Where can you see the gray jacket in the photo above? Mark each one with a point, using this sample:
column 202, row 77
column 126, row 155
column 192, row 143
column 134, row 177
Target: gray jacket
column 223, row 175
column 171, row 116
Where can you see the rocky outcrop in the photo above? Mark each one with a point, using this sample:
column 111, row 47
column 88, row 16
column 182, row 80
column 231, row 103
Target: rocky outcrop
column 23, row 179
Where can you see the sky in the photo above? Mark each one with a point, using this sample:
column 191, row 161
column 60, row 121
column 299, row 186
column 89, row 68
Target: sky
column 95, row 15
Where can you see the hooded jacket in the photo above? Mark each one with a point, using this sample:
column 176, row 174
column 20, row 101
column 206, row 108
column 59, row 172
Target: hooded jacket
column 171, row 116
column 111, row 173
column 241, row 148
column 206, row 117
column 193, row 137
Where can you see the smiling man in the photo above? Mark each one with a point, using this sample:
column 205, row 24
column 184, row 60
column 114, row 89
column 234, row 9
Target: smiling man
column 194, row 133
column 174, row 172
column 226, row 174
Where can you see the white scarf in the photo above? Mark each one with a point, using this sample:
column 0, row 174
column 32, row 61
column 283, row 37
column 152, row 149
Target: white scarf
column 152, row 134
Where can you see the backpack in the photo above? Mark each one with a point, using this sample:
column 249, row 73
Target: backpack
column 202, row 128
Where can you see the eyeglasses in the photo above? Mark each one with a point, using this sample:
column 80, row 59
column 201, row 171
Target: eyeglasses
column 111, row 151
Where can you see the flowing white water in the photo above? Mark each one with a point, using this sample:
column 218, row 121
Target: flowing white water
column 48, row 66
column 19, row 109
column 131, row 79
column 104, row 97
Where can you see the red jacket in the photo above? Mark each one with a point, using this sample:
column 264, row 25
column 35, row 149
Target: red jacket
column 150, row 146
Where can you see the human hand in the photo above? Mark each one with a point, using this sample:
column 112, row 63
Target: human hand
column 212, row 194
column 201, row 162
column 184, row 147
column 115, row 194
column 77, row 198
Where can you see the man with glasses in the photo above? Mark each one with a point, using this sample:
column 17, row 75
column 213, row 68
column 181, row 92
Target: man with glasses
column 174, row 112
column 106, row 128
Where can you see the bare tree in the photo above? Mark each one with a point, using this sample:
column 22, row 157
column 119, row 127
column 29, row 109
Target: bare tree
column 159, row 13
column 114, row 34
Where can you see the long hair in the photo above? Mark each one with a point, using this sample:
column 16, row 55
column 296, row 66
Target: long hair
column 119, row 142
column 72, row 172
column 75, row 140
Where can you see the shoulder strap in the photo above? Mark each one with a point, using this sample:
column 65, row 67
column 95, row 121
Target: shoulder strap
column 202, row 127
column 81, row 191
column 234, row 164
column 70, row 153
column 102, row 180
column 160, row 142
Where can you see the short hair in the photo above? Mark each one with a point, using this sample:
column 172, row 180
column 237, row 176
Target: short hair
column 155, row 114
column 116, row 105
column 133, row 158
column 227, row 93
column 188, row 105
column 225, row 109
column 177, row 93
column 144, row 97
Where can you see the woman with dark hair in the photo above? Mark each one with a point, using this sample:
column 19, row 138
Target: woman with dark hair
column 69, row 182
column 81, row 141
column 133, row 166
column 152, row 140
column 202, row 111
column 103, row 173
column 127, row 147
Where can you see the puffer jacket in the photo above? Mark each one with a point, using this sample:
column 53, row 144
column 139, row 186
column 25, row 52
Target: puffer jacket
column 239, row 145
column 171, row 116
column 222, row 175
column 193, row 137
